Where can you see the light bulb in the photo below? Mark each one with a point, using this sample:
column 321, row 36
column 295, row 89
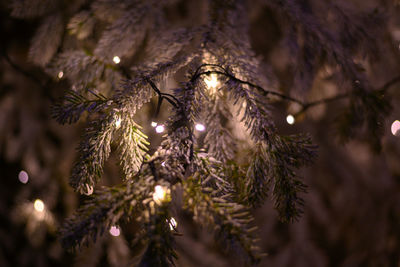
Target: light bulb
column 212, row 81
column 200, row 127
column 89, row 190
column 163, row 164
column 396, row 128
column 115, row 231
column 290, row 119
column 153, row 124
column 23, row 177
column 60, row 74
column 160, row 128
column 118, row 123
column 116, row 59
column 172, row 224
column 38, row 205
column 160, row 194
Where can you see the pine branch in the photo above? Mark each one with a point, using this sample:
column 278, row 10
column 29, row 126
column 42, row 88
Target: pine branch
column 76, row 104
column 103, row 210
column 228, row 220
column 94, row 150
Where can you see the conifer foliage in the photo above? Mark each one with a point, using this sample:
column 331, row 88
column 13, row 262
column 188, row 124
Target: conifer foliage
column 118, row 56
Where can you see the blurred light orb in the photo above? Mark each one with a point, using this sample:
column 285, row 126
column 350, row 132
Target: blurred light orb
column 153, row 124
column 290, row 119
column 116, row 59
column 60, row 74
column 396, row 128
column 115, row 231
column 212, row 82
column 38, row 205
column 172, row 224
column 160, row 129
column 89, row 190
column 118, row 123
column 200, row 127
column 160, row 194
column 163, row 164
column 23, row 177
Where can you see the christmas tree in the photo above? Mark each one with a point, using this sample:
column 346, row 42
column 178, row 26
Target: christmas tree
column 179, row 102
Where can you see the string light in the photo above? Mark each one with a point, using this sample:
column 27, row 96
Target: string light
column 172, row 224
column 153, row 124
column 60, row 75
column 116, row 59
column 115, row 231
column 160, row 194
column 200, row 127
column 290, row 119
column 396, row 128
column 212, row 82
column 38, row 205
column 160, row 128
column 163, row 164
column 23, row 177
column 118, row 122
column 89, row 190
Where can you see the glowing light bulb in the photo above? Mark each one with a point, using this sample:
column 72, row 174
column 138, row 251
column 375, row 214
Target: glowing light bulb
column 116, row 59
column 163, row 164
column 23, row 177
column 118, row 123
column 396, row 128
column 60, row 75
column 160, row 128
column 200, row 127
column 89, row 190
column 212, row 82
column 160, row 194
column 115, row 231
column 290, row 119
column 38, row 205
column 153, row 124
column 172, row 224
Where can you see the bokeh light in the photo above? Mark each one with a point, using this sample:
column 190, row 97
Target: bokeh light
column 23, row 177
column 290, row 119
column 396, row 128
column 38, row 205
column 115, row 231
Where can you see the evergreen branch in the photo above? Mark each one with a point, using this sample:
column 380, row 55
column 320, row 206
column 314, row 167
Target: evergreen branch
column 228, row 220
column 94, row 150
column 76, row 104
column 160, row 239
column 305, row 105
column 103, row 210
column 132, row 145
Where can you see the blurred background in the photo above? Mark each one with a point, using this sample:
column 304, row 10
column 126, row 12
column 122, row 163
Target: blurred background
column 352, row 208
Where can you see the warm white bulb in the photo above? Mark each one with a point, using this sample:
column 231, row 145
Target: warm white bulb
column 23, row 177
column 200, row 127
column 60, row 74
column 160, row 194
column 116, row 59
column 89, row 190
column 163, row 164
column 118, row 123
column 160, row 128
column 212, row 81
column 38, row 205
column 290, row 119
column 396, row 128
column 115, row 231
column 172, row 224
column 153, row 124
